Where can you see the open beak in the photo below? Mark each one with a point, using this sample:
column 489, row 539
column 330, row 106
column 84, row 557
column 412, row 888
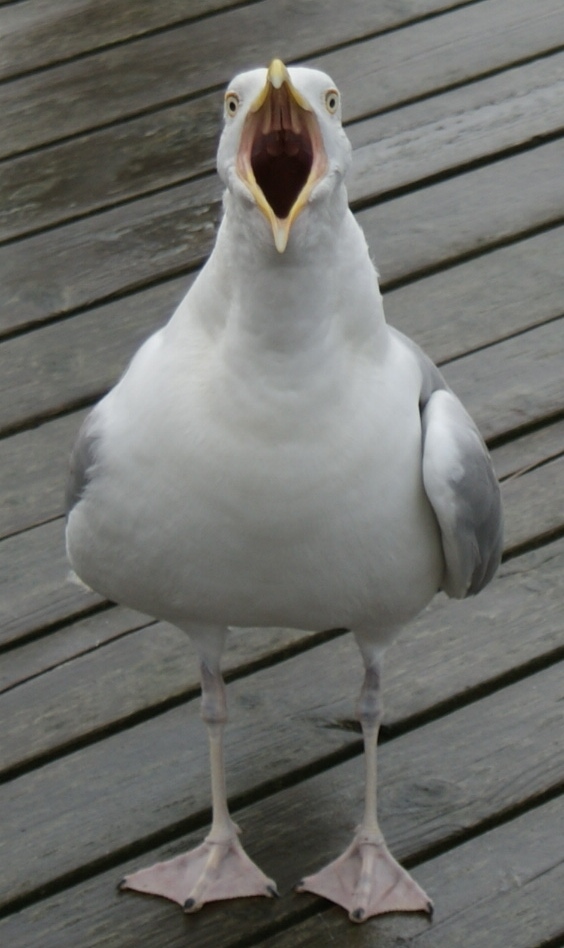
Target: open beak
column 281, row 154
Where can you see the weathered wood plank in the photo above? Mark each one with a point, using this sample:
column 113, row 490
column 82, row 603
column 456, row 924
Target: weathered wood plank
column 537, row 499
column 33, row 469
column 438, row 134
column 156, row 70
column 36, row 658
column 426, row 228
column 179, row 142
column 505, row 886
column 478, row 302
column 502, row 385
column 108, row 685
column 533, row 448
column 512, row 887
column 34, row 586
column 238, row 39
column 427, row 795
column 38, row 33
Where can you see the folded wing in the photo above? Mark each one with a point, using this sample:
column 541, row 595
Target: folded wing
column 461, row 485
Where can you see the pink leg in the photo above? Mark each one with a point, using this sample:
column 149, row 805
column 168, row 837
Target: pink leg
column 219, row 868
column 366, row 880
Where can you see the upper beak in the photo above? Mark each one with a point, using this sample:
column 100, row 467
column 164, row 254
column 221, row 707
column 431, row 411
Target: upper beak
column 281, row 154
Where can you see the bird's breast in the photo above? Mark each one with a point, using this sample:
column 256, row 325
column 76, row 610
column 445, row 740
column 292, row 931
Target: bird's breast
column 261, row 504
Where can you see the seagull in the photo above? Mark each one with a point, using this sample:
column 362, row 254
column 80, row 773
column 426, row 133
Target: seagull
column 277, row 455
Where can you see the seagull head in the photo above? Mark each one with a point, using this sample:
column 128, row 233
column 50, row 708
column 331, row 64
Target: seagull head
column 283, row 147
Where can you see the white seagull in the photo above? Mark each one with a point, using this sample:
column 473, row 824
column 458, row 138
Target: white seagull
column 277, row 455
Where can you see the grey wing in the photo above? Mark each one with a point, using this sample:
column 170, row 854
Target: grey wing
column 460, row 483
column 82, row 461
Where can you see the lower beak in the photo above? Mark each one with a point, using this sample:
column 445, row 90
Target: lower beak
column 281, row 155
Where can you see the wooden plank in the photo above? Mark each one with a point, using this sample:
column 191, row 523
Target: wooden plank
column 179, row 142
column 512, row 886
column 426, row 795
column 468, row 124
column 425, row 229
column 538, row 497
column 156, row 664
column 506, row 883
column 152, row 666
column 156, row 70
column 103, row 342
column 33, row 468
column 34, row 587
column 536, row 447
column 480, row 301
column 502, row 386
column 238, row 39
column 38, row 33
column 448, row 313
column 22, row 664
column 162, row 234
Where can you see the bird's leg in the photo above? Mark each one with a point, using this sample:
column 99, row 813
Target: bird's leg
column 366, row 880
column 219, row 868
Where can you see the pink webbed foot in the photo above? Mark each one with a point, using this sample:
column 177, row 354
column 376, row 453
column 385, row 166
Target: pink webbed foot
column 366, row 880
column 209, row 873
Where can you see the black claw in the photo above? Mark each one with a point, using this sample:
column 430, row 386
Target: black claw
column 430, row 909
column 273, row 891
column 122, row 885
column 189, row 904
column 299, row 886
column 358, row 914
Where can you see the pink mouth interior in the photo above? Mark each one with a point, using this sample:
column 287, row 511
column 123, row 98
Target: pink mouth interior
column 281, row 150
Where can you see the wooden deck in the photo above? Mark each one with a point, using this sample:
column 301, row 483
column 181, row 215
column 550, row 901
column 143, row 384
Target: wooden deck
column 110, row 114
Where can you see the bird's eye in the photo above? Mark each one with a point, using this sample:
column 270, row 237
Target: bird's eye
column 332, row 101
column 231, row 103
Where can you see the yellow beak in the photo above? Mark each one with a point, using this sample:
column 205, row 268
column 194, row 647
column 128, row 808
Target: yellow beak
column 281, row 153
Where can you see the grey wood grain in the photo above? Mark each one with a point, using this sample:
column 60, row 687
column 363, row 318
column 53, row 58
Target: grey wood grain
column 33, row 470
column 35, row 590
column 39, row 33
column 428, row 794
column 537, row 498
column 100, row 168
column 150, row 71
column 31, row 660
column 105, row 686
column 503, row 888
column 466, row 214
column 478, row 302
column 542, row 445
column 512, row 883
column 514, row 383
